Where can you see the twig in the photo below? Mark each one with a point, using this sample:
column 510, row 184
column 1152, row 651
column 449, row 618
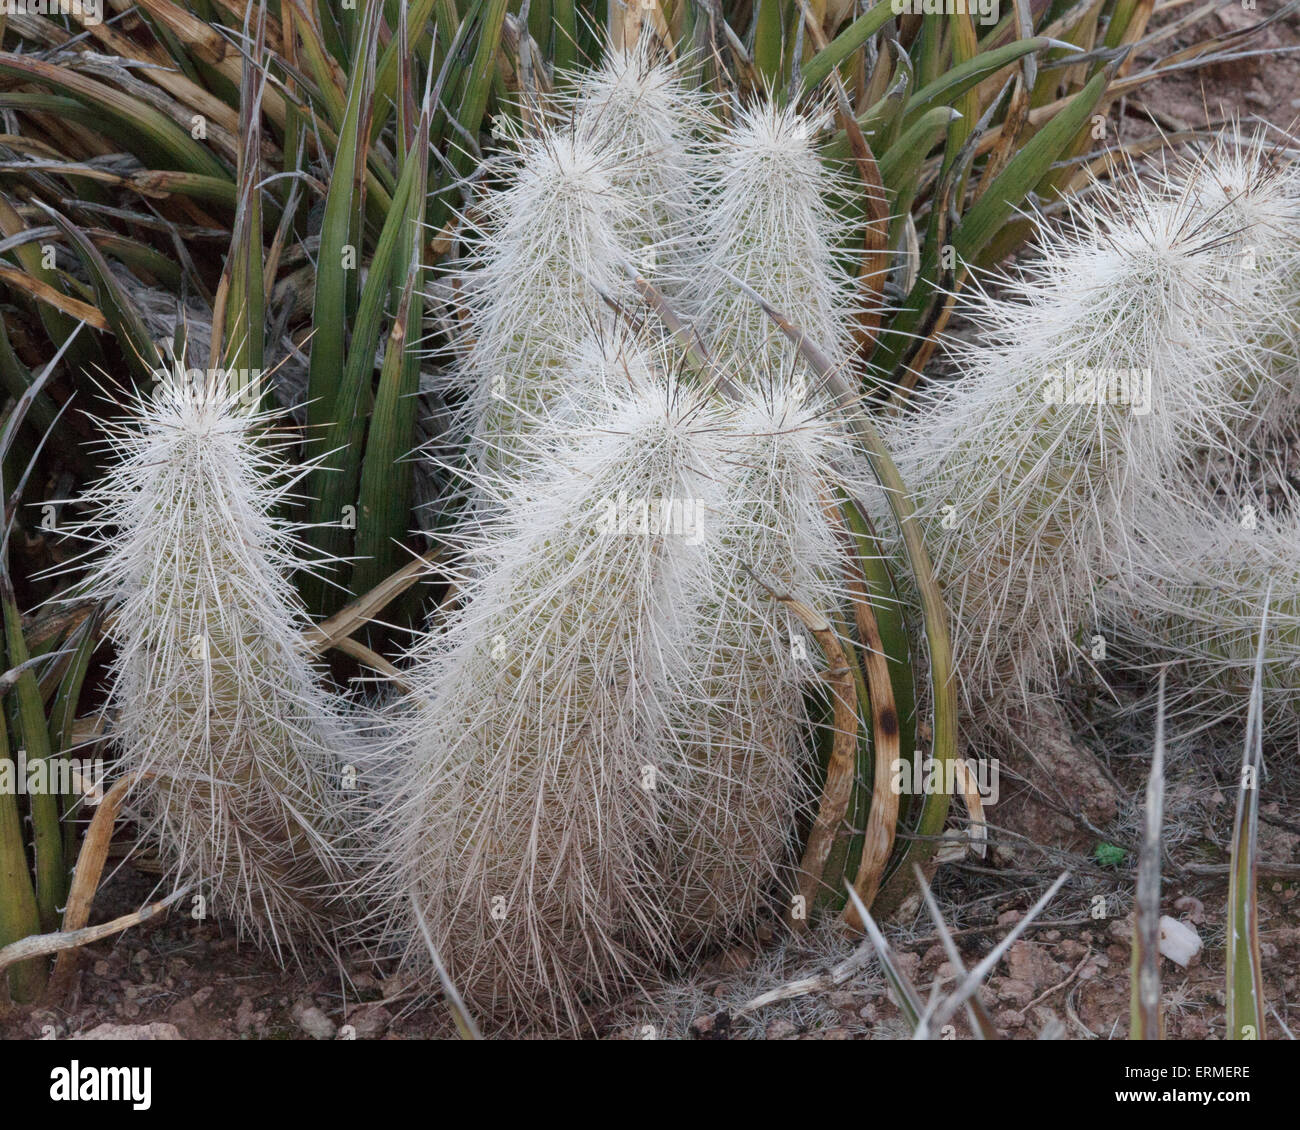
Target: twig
column 38, row 945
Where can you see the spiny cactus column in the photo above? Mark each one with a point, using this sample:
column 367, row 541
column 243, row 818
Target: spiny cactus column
column 551, row 245
column 770, row 223
column 1086, row 387
column 236, row 750
column 743, row 775
column 523, row 830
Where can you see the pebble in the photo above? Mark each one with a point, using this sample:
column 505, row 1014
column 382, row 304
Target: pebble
column 313, row 1021
column 108, row 1031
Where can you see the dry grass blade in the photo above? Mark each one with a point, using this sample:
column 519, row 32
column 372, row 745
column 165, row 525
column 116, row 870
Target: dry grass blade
column 329, row 633
column 942, row 1012
column 85, row 878
column 1144, row 1023
column 455, row 1005
column 61, row 941
column 878, row 841
column 47, row 294
column 981, row 1024
column 839, row 974
column 1245, row 979
column 968, row 787
column 905, row 994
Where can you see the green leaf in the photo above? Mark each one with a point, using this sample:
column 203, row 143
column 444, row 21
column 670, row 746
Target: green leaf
column 47, row 836
column 983, row 222
column 384, row 502
column 338, row 263
column 1245, row 978
column 1009, row 190
column 137, row 345
column 1109, row 855
column 819, row 67
column 900, row 164
column 769, row 41
column 171, row 145
column 245, row 322
column 335, row 483
column 953, row 83
column 19, row 917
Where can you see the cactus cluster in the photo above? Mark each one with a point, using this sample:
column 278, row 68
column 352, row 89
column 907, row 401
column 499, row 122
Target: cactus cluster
column 601, row 758
column 1103, row 378
column 602, row 754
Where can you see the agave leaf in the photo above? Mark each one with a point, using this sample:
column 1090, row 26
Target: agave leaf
column 965, row 46
column 63, row 714
column 882, row 813
column 141, row 259
column 243, row 279
column 19, row 916
column 384, row 503
column 49, row 296
column 395, row 56
column 1245, row 978
column 141, row 353
column 1128, row 20
column 769, row 41
column 1026, row 169
column 819, row 67
column 985, row 220
column 331, row 82
column 943, row 685
column 895, row 638
column 158, row 134
column 841, row 767
column 47, row 837
column 335, row 485
column 82, row 352
column 338, row 263
column 17, row 380
column 900, row 164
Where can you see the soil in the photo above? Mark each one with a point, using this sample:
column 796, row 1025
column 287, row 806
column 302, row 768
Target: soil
column 1068, row 976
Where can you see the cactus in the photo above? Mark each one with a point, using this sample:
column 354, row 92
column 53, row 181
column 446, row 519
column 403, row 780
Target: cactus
column 1104, row 369
column 1192, row 596
column 637, row 107
column 215, row 707
column 769, row 222
column 523, row 830
column 743, row 774
column 1247, row 194
column 551, row 244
